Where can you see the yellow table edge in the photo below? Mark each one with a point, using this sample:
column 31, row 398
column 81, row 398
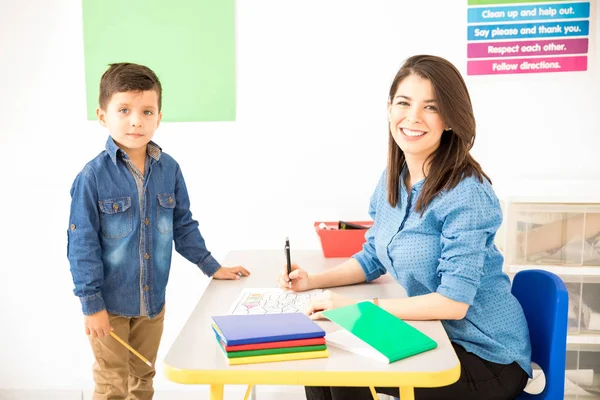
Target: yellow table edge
column 312, row 378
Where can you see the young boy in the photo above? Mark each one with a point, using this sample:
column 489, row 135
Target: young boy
column 129, row 204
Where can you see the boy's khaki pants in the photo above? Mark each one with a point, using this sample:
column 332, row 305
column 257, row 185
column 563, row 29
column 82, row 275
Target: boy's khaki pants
column 120, row 374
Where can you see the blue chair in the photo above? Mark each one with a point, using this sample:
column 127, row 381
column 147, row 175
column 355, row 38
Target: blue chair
column 545, row 301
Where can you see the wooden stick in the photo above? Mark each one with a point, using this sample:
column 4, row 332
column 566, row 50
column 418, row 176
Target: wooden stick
column 131, row 349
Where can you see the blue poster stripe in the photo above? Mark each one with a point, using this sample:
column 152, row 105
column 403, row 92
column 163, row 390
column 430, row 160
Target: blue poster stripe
column 535, row 30
column 533, row 12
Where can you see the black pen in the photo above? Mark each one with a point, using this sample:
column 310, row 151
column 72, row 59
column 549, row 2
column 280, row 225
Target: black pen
column 288, row 258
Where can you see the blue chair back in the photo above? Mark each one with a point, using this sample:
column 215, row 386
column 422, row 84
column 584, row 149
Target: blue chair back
column 545, row 301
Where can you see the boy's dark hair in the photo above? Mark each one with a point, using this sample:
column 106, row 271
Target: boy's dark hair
column 125, row 77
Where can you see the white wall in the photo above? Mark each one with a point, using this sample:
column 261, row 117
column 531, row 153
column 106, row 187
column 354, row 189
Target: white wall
column 308, row 144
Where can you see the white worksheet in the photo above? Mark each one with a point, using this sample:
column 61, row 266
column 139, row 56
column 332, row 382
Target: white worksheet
column 271, row 301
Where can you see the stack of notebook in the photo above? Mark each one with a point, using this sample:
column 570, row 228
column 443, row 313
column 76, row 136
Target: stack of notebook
column 250, row 339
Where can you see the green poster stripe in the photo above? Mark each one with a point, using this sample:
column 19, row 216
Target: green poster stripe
column 491, row 2
column 188, row 43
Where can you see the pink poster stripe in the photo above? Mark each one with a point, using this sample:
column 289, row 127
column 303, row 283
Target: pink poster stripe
column 527, row 48
column 527, row 65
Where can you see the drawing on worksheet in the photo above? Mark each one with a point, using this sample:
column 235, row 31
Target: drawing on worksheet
column 271, row 301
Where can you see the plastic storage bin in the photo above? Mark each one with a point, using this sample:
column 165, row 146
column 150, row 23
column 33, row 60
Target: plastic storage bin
column 582, row 375
column 563, row 237
column 584, row 308
column 559, row 234
column 341, row 242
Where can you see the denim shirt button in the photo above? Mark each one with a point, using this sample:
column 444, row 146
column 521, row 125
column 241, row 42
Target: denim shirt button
column 170, row 200
column 146, row 288
column 146, row 256
column 72, row 227
column 146, row 221
column 115, row 206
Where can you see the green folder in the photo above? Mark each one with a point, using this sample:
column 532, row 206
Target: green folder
column 386, row 333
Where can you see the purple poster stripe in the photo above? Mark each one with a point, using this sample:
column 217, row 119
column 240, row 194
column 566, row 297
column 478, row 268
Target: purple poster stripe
column 526, row 65
column 527, row 48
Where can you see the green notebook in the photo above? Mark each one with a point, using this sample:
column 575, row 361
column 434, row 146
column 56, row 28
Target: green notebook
column 393, row 338
column 281, row 350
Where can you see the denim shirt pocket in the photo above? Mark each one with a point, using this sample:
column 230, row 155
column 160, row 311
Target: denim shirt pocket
column 164, row 213
column 116, row 219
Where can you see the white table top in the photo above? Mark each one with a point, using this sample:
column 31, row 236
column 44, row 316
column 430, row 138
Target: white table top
column 195, row 356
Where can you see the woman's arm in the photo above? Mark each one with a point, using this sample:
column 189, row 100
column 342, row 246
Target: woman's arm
column 347, row 273
column 433, row 306
column 430, row 306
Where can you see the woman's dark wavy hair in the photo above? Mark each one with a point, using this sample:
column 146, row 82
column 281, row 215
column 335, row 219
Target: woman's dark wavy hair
column 451, row 161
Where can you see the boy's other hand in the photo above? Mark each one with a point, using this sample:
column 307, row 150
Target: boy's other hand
column 97, row 325
column 231, row 273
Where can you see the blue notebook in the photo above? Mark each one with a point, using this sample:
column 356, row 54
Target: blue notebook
column 262, row 328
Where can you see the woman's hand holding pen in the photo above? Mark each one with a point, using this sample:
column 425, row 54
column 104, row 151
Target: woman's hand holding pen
column 231, row 273
column 326, row 301
column 299, row 278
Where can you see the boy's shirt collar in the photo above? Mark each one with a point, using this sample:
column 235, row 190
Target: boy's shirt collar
column 153, row 150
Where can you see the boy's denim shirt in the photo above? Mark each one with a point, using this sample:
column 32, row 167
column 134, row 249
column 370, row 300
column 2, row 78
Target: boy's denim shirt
column 109, row 235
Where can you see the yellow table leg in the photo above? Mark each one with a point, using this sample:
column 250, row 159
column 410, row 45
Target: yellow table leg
column 407, row 393
column 216, row 392
column 248, row 391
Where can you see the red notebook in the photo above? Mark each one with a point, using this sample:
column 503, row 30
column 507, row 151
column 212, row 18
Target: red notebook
column 274, row 345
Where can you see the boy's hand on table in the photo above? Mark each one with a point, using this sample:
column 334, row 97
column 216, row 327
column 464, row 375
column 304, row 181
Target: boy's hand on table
column 97, row 325
column 231, row 273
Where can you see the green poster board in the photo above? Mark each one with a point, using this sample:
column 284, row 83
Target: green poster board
column 188, row 43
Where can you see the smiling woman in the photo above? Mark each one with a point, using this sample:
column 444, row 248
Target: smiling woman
column 435, row 218
column 415, row 123
column 432, row 128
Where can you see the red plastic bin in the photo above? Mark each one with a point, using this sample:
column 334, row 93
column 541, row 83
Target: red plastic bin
column 344, row 242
